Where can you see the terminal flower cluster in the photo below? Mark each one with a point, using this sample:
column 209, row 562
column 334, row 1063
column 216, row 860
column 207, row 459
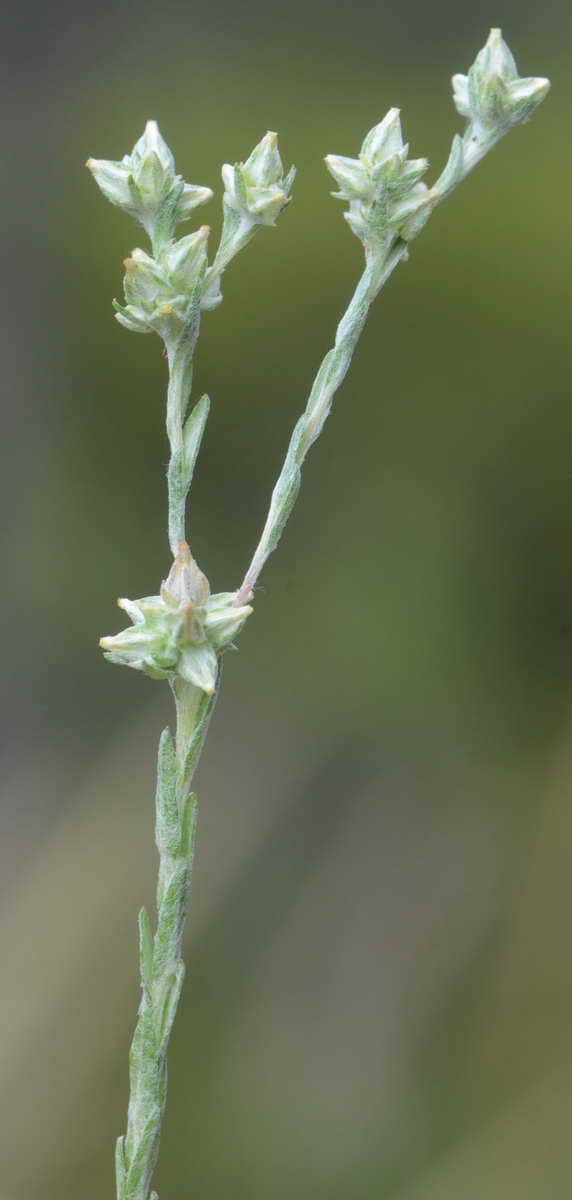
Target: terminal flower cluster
column 258, row 189
column 493, row 96
column 145, row 185
column 384, row 188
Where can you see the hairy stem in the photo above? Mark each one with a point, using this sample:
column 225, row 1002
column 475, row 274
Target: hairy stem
column 162, row 967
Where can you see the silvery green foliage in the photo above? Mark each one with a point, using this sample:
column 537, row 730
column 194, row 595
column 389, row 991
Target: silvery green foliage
column 182, row 630
column 180, row 633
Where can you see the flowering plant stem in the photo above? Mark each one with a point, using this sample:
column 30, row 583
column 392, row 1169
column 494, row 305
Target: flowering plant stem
column 162, row 968
column 181, row 633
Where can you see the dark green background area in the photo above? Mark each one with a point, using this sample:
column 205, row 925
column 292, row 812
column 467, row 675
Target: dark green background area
column 380, row 982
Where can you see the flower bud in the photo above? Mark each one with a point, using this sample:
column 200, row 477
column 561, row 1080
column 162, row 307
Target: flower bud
column 145, row 185
column 492, row 96
column 180, row 632
column 384, row 140
column 152, row 145
column 258, row 189
column 383, row 186
column 185, row 260
column 159, row 291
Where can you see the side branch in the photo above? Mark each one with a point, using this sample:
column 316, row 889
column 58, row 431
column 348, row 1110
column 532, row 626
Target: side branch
column 330, row 376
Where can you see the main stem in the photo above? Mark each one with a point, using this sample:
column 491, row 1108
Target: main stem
column 161, row 963
column 162, row 968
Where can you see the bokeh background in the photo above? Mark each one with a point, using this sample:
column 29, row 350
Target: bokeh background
column 379, row 996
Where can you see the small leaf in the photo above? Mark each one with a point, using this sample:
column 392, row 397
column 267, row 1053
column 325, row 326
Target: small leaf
column 200, row 731
column 167, row 947
column 143, row 1162
column 167, row 827
column 240, row 185
column 192, row 437
column 168, row 1006
column 189, row 825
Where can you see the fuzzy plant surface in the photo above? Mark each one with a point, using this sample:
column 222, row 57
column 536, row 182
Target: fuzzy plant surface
column 180, row 633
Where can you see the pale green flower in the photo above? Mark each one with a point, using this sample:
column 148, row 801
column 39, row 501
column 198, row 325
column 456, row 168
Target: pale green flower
column 180, row 632
column 258, row 189
column 492, row 95
column 382, row 185
column 159, row 291
column 144, row 184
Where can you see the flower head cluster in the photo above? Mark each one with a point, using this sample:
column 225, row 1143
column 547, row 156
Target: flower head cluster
column 144, row 184
column 258, row 189
column 159, row 291
column 383, row 186
column 180, row 632
column 492, row 96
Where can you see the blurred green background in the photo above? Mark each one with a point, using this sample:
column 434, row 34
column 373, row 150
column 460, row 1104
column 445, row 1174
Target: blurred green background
column 379, row 996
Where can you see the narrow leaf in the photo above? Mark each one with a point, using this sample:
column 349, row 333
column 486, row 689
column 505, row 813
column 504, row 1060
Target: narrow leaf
column 196, row 744
column 169, row 933
column 192, row 437
column 167, row 828
column 168, row 1006
column 189, row 825
column 143, row 1162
